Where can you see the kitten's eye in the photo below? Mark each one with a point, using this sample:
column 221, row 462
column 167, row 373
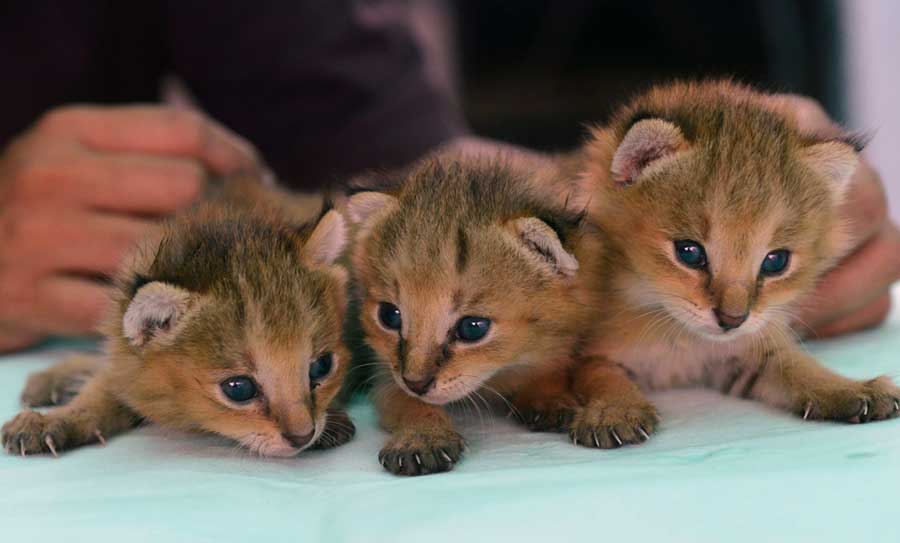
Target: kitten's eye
column 775, row 262
column 690, row 253
column 239, row 389
column 389, row 315
column 320, row 368
column 472, row 328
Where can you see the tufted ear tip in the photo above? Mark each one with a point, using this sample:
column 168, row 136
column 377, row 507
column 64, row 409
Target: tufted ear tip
column 646, row 142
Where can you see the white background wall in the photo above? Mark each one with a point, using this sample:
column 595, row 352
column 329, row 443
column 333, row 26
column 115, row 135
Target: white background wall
column 872, row 62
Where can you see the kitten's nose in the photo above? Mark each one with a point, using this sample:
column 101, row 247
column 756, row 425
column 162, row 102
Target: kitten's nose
column 419, row 387
column 729, row 322
column 298, row 440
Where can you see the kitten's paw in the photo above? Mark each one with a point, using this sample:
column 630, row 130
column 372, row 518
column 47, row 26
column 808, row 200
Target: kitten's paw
column 548, row 414
column 605, row 425
column 50, row 388
column 422, row 451
column 865, row 401
column 31, row 432
column 339, row 429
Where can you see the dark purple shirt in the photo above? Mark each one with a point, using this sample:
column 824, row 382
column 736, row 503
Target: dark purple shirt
column 324, row 88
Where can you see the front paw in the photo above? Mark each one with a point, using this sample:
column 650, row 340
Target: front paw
column 867, row 401
column 608, row 425
column 548, row 414
column 49, row 388
column 422, row 451
column 31, row 432
column 339, row 429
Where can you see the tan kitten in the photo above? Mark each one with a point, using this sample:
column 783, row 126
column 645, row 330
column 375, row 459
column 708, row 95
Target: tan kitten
column 718, row 214
column 469, row 283
column 229, row 323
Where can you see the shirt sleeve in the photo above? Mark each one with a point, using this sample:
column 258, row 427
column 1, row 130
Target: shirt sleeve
column 324, row 88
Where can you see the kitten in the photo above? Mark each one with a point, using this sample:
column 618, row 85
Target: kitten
column 230, row 323
column 468, row 284
column 718, row 213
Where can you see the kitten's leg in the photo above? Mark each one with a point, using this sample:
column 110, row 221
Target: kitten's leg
column 58, row 384
column 94, row 415
column 794, row 380
column 614, row 411
column 545, row 402
column 422, row 437
column 339, row 429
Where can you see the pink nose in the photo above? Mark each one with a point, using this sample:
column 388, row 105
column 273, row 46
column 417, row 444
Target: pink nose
column 729, row 322
column 298, row 441
column 419, row 387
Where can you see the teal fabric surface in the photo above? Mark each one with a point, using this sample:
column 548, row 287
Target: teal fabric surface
column 719, row 470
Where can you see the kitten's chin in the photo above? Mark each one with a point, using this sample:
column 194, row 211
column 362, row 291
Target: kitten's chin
column 281, row 452
column 272, row 448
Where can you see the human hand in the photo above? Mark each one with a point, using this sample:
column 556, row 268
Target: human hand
column 78, row 189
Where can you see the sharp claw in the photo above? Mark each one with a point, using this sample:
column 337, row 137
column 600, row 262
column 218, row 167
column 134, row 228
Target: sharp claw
column 400, row 461
column 865, row 408
column 574, row 440
column 616, row 437
column 100, row 437
column 22, row 447
column 536, row 418
column 596, row 441
column 418, row 460
column 643, row 433
column 446, row 456
column 383, row 462
column 896, row 406
column 806, row 412
column 49, row 441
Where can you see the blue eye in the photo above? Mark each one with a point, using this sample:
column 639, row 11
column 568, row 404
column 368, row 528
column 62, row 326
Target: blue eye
column 239, row 389
column 320, row 368
column 389, row 315
column 775, row 262
column 690, row 253
column 472, row 328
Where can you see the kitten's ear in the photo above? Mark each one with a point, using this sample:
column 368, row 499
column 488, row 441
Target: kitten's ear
column 363, row 205
column 327, row 241
column 646, row 142
column 835, row 161
column 542, row 242
column 154, row 312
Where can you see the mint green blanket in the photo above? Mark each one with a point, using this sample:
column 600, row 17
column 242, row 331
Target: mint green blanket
column 720, row 469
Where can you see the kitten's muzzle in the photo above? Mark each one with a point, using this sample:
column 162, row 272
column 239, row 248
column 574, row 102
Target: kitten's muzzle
column 727, row 321
column 420, row 387
column 298, row 441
